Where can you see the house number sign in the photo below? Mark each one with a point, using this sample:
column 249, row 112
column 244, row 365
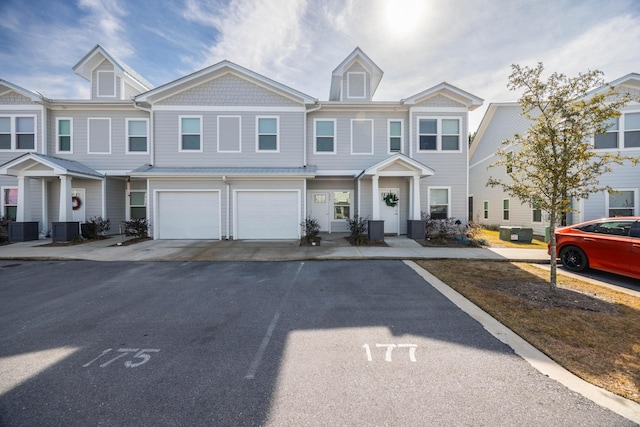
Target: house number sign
column 389, row 350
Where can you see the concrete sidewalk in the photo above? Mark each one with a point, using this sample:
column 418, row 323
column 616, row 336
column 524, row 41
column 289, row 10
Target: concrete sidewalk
column 333, row 247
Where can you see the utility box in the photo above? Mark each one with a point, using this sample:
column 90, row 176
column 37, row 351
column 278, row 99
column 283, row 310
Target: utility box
column 516, row 234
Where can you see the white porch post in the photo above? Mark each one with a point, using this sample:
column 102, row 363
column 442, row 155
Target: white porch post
column 66, row 210
column 416, row 197
column 374, row 197
column 23, row 213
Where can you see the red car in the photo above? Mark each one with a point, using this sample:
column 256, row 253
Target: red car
column 609, row 244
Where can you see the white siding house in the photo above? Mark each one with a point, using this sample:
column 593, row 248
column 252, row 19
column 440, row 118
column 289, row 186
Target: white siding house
column 502, row 121
column 226, row 153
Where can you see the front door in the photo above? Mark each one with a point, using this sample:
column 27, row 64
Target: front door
column 389, row 206
column 79, row 204
column 320, row 209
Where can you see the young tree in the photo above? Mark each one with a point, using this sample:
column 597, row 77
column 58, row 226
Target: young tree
column 554, row 162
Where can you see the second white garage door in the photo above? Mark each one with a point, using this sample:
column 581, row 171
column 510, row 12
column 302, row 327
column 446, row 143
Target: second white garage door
column 268, row 215
column 188, row 215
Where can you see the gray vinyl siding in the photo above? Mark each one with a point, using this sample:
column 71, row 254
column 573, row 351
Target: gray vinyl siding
column 440, row 101
column 35, row 191
column 14, row 98
column 506, row 121
column 104, row 66
column 118, row 159
column 329, row 186
column 366, row 198
column 343, row 159
column 229, row 90
column 291, row 136
column 356, row 68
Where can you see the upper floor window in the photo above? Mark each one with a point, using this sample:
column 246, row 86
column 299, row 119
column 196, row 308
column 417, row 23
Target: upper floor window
column 325, row 136
column 395, row 135
column 632, row 130
column 267, row 139
column 356, row 85
column 190, row 133
column 438, row 134
column 137, row 130
column 64, row 132
column 609, row 139
column 18, row 133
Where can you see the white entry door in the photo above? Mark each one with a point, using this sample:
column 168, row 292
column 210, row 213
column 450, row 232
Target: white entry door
column 320, row 209
column 79, row 203
column 389, row 214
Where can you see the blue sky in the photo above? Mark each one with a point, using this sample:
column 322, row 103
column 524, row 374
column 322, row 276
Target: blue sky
column 417, row 43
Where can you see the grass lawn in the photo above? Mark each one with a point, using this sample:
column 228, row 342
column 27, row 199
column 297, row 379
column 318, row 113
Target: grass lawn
column 493, row 237
column 590, row 330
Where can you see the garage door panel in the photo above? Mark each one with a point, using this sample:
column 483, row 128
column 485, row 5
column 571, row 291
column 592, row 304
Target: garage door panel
column 188, row 215
column 268, row 215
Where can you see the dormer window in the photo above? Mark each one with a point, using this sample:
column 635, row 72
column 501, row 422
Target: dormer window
column 356, row 85
column 106, row 83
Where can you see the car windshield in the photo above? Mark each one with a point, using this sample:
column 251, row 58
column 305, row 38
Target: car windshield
column 616, row 228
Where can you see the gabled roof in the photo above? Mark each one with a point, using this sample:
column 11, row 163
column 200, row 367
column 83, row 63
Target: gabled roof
column 486, row 120
column 359, row 56
column 218, row 70
column 471, row 101
column 413, row 167
column 630, row 80
column 28, row 164
column 95, row 56
column 33, row 96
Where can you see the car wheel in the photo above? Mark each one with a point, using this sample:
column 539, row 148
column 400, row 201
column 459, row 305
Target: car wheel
column 573, row 258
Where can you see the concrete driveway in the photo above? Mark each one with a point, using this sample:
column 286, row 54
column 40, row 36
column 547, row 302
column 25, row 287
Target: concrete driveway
column 287, row 343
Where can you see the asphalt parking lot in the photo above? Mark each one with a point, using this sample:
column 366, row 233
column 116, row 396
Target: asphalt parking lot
column 258, row 343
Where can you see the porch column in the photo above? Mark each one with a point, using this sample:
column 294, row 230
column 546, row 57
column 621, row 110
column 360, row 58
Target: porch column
column 416, row 198
column 23, row 213
column 66, row 210
column 374, row 197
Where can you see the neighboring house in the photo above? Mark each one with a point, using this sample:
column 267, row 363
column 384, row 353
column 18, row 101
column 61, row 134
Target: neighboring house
column 228, row 153
column 502, row 121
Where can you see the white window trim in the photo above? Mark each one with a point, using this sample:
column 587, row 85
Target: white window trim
column 58, row 151
column 98, row 84
column 127, row 148
column 239, row 150
column 389, row 135
column 485, row 210
column 335, row 139
column 636, row 209
column 277, row 150
column 2, row 204
column 89, row 135
column 129, row 205
column 372, row 138
column 439, row 135
column 364, row 83
column 180, row 149
column 508, row 210
column 14, row 132
column 448, row 198
column 622, row 130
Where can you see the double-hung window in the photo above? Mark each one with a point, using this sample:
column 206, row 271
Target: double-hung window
column 341, row 205
column 395, row 135
column 9, row 203
column 439, row 203
column 137, row 205
column 505, row 209
column 267, row 137
column 64, row 133
column 622, row 203
column 190, row 133
column 438, row 134
column 632, row 130
column 485, row 209
column 325, row 136
column 137, row 131
column 18, row 133
column 536, row 212
column 609, row 139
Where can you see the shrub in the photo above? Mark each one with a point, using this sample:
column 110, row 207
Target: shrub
column 311, row 229
column 358, row 229
column 95, row 227
column 4, row 229
column 473, row 228
column 442, row 229
column 138, row 227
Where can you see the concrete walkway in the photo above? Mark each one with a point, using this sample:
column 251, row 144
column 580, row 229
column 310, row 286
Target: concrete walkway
column 333, row 247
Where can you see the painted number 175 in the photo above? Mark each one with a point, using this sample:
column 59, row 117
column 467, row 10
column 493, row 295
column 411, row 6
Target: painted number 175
column 138, row 357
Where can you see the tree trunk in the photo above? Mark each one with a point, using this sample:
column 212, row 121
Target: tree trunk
column 552, row 252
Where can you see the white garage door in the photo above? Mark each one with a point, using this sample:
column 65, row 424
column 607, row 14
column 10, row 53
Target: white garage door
column 268, row 215
column 188, row 215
